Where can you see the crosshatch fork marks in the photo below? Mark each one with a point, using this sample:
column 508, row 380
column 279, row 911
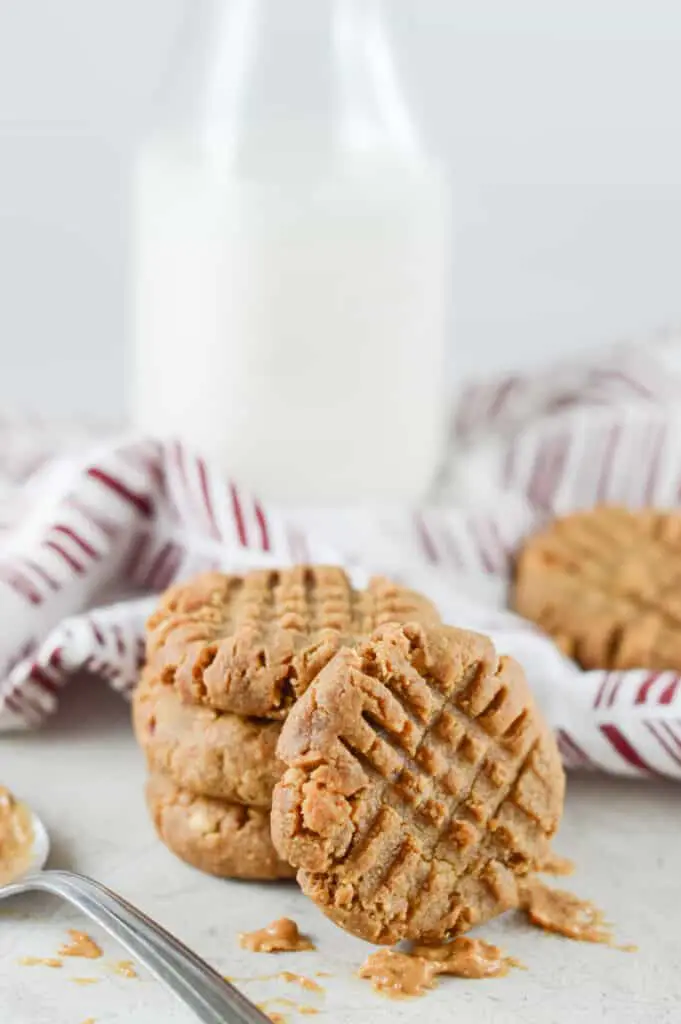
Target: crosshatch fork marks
column 422, row 795
column 605, row 584
column 395, row 802
column 252, row 644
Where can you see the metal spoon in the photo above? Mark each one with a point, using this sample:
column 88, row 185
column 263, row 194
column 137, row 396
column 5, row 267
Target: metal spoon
column 191, row 979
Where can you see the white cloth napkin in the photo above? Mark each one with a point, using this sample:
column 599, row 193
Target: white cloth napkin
column 88, row 533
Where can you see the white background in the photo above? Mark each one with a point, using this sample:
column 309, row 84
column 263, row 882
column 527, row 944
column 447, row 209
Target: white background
column 559, row 120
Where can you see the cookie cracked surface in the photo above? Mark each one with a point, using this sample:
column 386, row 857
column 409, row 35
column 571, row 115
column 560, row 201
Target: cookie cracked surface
column 211, row 753
column 221, row 838
column 421, row 782
column 252, row 644
column 604, row 584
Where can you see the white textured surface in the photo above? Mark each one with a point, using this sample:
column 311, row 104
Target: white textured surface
column 84, row 777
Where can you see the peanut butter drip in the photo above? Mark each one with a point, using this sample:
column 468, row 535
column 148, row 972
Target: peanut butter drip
column 16, row 837
column 81, row 945
column 558, row 911
column 398, row 974
column 467, row 958
column 280, row 936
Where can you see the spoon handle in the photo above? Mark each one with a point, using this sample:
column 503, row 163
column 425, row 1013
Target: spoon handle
column 203, row 990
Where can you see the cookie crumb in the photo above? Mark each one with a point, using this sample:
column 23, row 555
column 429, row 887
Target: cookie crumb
column 554, row 864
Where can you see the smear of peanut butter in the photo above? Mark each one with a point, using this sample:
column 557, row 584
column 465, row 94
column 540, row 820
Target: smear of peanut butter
column 280, row 936
column 276, row 1018
column 467, row 958
column 81, row 945
column 16, row 837
column 411, row 974
column 556, row 910
column 398, row 974
column 85, row 981
column 44, row 961
column 288, row 976
column 126, row 969
column 300, row 979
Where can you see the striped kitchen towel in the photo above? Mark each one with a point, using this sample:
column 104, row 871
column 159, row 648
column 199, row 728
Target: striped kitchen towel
column 90, row 533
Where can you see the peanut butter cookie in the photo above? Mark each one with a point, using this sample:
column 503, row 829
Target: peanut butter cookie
column 220, row 838
column 211, row 753
column 605, row 585
column 421, row 782
column 252, row 644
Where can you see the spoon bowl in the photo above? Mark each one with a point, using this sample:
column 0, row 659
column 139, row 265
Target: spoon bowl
column 40, row 848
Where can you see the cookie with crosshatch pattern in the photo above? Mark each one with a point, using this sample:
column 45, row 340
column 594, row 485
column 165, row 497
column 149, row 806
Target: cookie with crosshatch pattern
column 604, row 584
column 421, row 782
column 251, row 644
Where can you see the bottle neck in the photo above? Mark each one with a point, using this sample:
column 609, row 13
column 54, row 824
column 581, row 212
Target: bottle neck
column 290, row 80
column 373, row 111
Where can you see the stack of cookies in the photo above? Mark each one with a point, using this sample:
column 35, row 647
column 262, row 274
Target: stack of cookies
column 296, row 725
column 227, row 657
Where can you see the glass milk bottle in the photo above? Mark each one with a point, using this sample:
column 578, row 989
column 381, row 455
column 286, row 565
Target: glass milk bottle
column 291, row 244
